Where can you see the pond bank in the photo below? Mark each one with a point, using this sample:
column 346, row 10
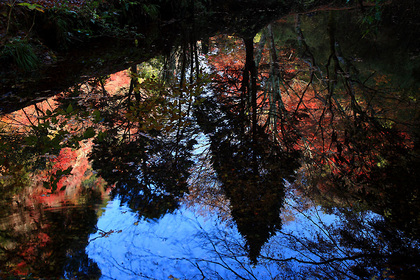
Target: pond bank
column 49, row 47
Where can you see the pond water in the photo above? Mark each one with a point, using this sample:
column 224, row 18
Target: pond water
column 290, row 153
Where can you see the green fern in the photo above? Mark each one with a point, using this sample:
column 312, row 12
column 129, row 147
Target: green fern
column 21, row 53
column 151, row 10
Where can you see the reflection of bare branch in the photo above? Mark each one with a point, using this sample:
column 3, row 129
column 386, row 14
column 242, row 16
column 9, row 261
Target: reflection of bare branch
column 125, row 270
column 28, row 118
column 326, row 261
column 104, row 234
column 221, row 257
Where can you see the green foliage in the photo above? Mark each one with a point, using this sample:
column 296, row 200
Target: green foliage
column 32, row 6
column 148, row 8
column 90, row 182
column 29, row 6
column 372, row 17
column 52, row 183
column 159, row 105
column 150, row 69
column 21, row 53
column 151, row 10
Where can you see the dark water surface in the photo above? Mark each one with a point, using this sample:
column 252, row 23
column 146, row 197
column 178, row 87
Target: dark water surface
column 291, row 153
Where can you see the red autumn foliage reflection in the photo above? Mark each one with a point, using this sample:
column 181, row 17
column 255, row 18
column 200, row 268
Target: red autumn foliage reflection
column 34, row 239
column 336, row 131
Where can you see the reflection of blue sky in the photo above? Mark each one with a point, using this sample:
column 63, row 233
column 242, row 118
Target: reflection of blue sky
column 193, row 243
column 180, row 244
column 188, row 245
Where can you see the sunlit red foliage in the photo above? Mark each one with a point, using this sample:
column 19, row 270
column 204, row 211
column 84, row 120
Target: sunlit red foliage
column 117, row 81
column 25, row 121
column 30, row 253
column 227, row 59
column 30, row 228
column 22, row 120
column 226, row 51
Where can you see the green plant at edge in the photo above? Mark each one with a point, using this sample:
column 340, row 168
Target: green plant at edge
column 22, row 54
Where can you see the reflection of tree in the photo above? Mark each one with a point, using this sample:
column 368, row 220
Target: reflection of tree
column 345, row 118
column 350, row 122
column 382, row 247
column 355, row 246
column 144, row 145
column 252, row 171
column 250, row 166
column 38, row 153
column 360, row 143
column 47, row 143
column 146, row 171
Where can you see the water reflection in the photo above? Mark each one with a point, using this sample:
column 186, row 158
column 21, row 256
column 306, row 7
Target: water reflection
column 48, row 242
column 307, row 166
column 149, row 174
column 252, row 171
column 180, row 245
column 190, row 244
